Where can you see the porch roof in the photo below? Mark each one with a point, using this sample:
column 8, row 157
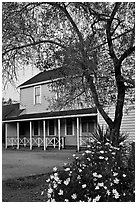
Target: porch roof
column 53, row 114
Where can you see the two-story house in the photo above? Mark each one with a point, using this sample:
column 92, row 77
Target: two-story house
column 31, row 123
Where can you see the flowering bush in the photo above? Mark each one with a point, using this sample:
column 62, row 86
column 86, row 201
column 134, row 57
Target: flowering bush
column 99, row 174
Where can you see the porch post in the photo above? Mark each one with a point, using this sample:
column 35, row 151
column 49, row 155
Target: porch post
column 6, row 134
column 30, row 135
column 78, row 134
column 17, row 135
column 59, row 132
column 44, row 135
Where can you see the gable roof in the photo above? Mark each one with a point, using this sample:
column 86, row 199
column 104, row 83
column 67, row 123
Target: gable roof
column 11, row 111
column 48, row 76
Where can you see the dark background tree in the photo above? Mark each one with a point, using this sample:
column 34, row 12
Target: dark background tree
column 94, row 40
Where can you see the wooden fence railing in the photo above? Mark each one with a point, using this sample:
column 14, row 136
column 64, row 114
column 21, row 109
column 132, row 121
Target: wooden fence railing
column 37, row 141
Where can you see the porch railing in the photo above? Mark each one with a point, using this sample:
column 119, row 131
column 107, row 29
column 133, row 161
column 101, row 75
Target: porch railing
column 85, row 140
column 12, row 141
column 24, row 141
column 36, row 141
column 54, row 141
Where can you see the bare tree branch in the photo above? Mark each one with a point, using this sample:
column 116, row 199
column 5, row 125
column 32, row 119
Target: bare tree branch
column 132, row 37
column 108, row 32
column 125, row 55
column 32, row 44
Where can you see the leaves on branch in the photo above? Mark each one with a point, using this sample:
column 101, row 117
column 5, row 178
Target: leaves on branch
column 95, row 40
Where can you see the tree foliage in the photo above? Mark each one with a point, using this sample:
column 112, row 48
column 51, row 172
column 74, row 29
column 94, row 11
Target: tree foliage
column 96, row 39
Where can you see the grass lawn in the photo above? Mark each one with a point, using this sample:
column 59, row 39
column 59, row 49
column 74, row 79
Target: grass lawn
column 26, row 189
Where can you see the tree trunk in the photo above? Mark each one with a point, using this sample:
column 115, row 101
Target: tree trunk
column 115, row 131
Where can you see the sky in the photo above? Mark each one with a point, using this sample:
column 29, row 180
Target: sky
column 23, row 75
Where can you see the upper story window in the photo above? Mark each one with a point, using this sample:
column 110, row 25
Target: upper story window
column 37, row 94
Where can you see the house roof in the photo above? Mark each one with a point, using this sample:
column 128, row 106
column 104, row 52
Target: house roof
column 49, row 75
column 10, row 110
column 52, row 114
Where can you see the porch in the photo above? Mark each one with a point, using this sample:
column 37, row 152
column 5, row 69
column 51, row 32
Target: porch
column 59, row 131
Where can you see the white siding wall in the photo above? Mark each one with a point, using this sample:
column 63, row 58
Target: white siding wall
column 128, row 121
column 27, row 99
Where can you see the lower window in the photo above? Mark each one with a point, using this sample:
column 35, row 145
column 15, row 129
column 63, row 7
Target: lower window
column 69, row 126
column 87, row 126
column 36, row 128
column 51, row 127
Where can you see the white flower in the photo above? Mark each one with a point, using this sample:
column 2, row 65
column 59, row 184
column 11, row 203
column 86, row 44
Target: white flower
column 116, row 194
column 60, row 192
column 66, row 182
column 88, row 159
column 48, row 180
column 55, row 185
column 56, row 178
column 106, row 158
column 97, row 187
column 84, row 186
column 50, row 190
column 124, row 175
column 100, row 184
column 49, row 195
column 121, row 143
column 73, row 155
column 51, row 176
column 115, row 173
column 100, row 157
column 55, row 169
column 67, row 169
column 116, row 148
column 111, row 184
column 74, row 196
column 52, row 200
column 87, row 151
column 95, row 174
column 116, row 180
column 55, row 175
column 42, row 192
column 78, row 177
column 97, row 198
column 66, row 200
column 89, row 199
column 59, row 181
column 108, row 192
column 80, row 170
column 70, row 173
column 105, row 187
column 99, row 176
column 94, row 179
column 101, row 151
